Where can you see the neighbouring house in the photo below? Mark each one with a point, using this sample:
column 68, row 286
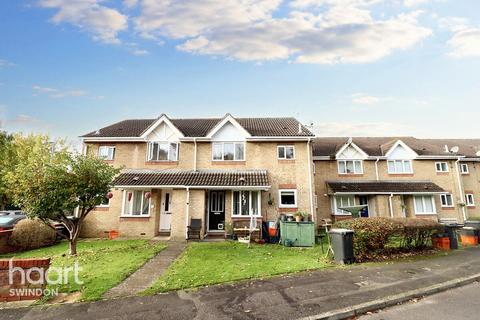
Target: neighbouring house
column 396, row 177
column 220, row 170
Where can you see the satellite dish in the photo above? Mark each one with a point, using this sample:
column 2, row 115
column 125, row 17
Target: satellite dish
column 477, row 154
column 350, row 140
column 454, row 149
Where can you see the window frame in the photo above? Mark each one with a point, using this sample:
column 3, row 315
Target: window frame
column 285, row 152
column 104, row 205
column 286, row 206
column 464, row 165
column 340, row 212
column 107, row 158
column 445, row 196
column 168, row 143
column 403, row 166
column 354, row 166
column 441, row 163
column 469, row 203
column 234, row 150
column 130, row 214
column 259, row 199
column 432, row 198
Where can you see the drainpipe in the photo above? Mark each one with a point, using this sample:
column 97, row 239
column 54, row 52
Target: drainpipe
column 188, row 213
column 310, row 164
column 195, row 155
column 460, row 189
column 391, row 204
column 376, row 168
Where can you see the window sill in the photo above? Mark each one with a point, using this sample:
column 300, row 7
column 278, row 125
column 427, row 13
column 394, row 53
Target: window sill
column 141, row 217
column 400, row 174
column 245, row 217
column 426, row 214
column 228, row 162
column 473, row 206
column 465, row 174
column 166, row 162
column 442, row 173
column 350, row 174
column 102, row 208
column 289, row 209
column 286, row 160
column 448, row 208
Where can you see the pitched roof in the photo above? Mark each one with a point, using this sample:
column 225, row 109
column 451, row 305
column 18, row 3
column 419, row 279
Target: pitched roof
column 211, row 178
column 379, row 146
column 383, row 187
column 199, row 127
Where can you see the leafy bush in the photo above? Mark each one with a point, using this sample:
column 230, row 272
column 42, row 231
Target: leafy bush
column 32, row 234
column 371, row 234
column 417, row 232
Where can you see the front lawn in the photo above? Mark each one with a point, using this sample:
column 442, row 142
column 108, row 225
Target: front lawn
column 212, row 263
column 104, row 263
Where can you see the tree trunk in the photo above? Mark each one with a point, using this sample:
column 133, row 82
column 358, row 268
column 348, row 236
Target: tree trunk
column 73, row 247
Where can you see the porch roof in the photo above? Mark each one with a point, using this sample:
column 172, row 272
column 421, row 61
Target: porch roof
column 196, row 179
column 383, row 187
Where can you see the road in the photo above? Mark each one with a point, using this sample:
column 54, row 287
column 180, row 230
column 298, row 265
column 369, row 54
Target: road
column 459, row 304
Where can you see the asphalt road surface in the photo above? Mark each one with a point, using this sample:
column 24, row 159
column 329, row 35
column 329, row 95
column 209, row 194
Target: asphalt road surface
column 457, row 304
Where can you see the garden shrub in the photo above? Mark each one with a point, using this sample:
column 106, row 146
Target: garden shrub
column 371, row 234
column 32, row 234
column 417, row 232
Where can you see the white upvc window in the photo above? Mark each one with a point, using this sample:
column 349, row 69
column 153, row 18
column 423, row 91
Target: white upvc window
column 162, row 151
column 228, row 151
column 350, row 166
column 446, row 200
column 344, row 201
column 400, row 166
column 288, row 198
column 246, row 203
column 441, row 166
column 136, row 203
column 106, row 152
column 286, row 152
column 464, row 168
column 424, row 205
column 470, row 200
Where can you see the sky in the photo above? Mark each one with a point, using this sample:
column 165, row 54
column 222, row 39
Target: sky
column 345, row 67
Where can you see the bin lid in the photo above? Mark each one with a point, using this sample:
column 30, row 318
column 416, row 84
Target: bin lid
column 341, row 231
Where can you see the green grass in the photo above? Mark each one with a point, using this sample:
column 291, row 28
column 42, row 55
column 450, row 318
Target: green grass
column 219, row 262
column 104, row 263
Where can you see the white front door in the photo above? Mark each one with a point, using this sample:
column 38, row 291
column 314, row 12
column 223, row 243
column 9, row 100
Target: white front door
column 165, row 213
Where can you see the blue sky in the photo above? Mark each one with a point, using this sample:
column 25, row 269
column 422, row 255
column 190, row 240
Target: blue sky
column 350, row 67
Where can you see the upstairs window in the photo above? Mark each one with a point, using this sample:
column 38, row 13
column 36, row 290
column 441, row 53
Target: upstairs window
column 350, row 167
column 162, row 151
column 286, row 152
column 400, row 166
column 228, row 151
column 464, row 168
column 106, row 152
column 470, row 200
column 446, row 200
column 441, row 166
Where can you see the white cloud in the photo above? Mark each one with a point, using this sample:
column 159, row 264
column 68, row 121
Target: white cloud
column 5, row 63
column 342, row 3
column 360, row 98
column 57, row 93
column 102, row 22
column 465, row 43
column 130, row 3
column 414, row 3
column 453, row 23
column 375, row 129
column 140, row 52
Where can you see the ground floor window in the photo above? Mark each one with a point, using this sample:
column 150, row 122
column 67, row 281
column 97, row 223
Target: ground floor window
column 345, row 201
column 246, row 203
column 288, row 198
column 424, row 205
column 136, row 203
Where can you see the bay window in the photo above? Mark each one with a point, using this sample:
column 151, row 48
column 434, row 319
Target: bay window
column 345, row 201
column 228, row 151
column 350, row 166
column 162, row 151
column 400, row 166
column 246, row 203
column 424, row 205
column 136, row 203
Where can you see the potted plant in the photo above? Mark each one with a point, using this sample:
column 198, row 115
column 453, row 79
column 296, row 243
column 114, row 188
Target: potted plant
column 298, row 216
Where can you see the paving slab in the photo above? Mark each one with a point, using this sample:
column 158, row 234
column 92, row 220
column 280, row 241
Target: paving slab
column 303, row 295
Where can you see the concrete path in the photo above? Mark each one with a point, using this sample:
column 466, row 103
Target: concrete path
column 304, row 295
column 460, row 303
column 144, row 277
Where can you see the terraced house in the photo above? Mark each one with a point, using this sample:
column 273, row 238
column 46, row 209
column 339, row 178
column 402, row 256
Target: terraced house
column 219, row 170
column 397, row 177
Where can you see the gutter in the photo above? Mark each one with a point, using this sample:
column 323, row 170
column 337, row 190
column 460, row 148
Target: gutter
column 195, row 155
column 460, row 189
column 310, row 164
column 391, row 204
column 376, row 168
column 187, row 214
